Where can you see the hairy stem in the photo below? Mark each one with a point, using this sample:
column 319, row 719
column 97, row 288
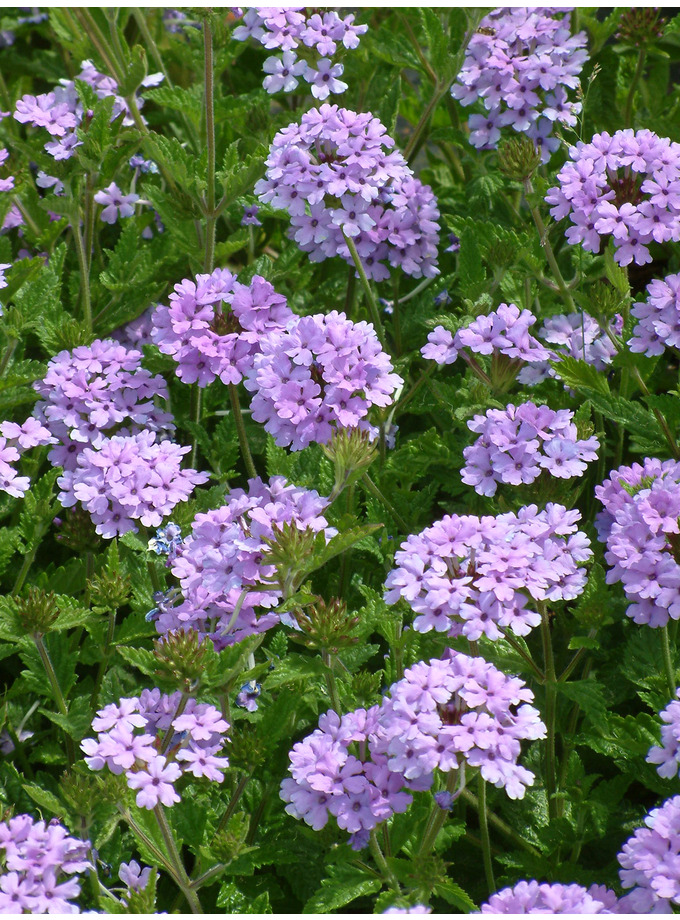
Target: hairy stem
column 381, row 863
column 548, row 250
column 56, row 691
column 209, row 76
column 628, row 112
column 368, row 291
column 668, row 662
column 331, row 684
column 376, row 493
column 550, row 712
column 233, row 802
column 84, row 273
column 500, row 824
column 241, row 432
column 486, row 841
column 179, row 873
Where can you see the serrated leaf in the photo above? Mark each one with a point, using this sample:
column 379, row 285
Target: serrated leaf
column 590, row 697
column 294, row 668
column 140, row 658
column 454, row 895
column 45, row 799
column 343, row 885
column 581, row 376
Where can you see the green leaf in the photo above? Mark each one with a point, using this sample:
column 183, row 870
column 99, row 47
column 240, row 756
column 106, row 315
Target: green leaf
column 343, row 885
column 238, row 173
column 455, row 896
column 590, row 697
column 142, row 659
column 135, row 73
column 295, row 668
column 45, row 799
column 78, row 721
column 581, row 376
column 342, row 542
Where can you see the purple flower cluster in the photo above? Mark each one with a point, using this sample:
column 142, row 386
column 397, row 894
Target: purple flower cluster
column 517, row 443
column 133, row 739
column 294, row 35
column 35, row 858
column 626, row 187
column 6, row 184
column 127, row 479
column 333, row 174
column 544, row 898
column 650, row 862
column 474, row 576
column 133, row 876
column 658, row 317
column 521, row 63
column 358, row 789
column 641, row 529
column 88, row 393
column 505, row 331
column 14, row 440
column 219, row 565
column 667, row 756
column 3, row 281
column 573, row 335
column 458, row 711
column 321, row 373
column 205, row 341
column 61, row 112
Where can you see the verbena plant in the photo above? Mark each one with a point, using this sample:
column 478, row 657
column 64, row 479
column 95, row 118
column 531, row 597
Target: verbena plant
column 339, row 462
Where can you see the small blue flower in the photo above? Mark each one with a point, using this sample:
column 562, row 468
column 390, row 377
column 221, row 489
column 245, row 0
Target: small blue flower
column 248, row 694
column 444, row 799
column 167, row 541
column 443, row 299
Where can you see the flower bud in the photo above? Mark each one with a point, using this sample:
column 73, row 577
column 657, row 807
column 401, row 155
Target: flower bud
column 180, row 655
column 37, row 611
column 518, row 158
column 326, row 627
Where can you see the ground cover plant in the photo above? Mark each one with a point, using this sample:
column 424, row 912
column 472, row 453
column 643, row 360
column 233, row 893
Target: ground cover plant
column 339, row 460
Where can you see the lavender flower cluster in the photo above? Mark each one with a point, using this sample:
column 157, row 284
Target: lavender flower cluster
column 90, row 392
column 334, row 176
column 543, row 898
column 505, row 331
column 61, row 112
column 14, row 440
column 305, row 44
column 574, row 335
column 474, row 576
column 321, row 373
column 358, row 791
column 658, row 317
column 36, row 857
column 219, row 564
column 127, row 479
column 640, row 527
column 625, row 186
column 447, row 713
column 205, row 341
column 667, row 755
column 441, row 716
column 154, row 742
column 650, row 862
column 517, row 443
column 520, row 64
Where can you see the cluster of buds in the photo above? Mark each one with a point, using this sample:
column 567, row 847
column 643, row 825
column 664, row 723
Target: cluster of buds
column 180, row 655
column 110, row 590
column 351, row 451
column 518, row 158
column 289, row 552
column 326, row 626
column 640, row 26
column 37, row 611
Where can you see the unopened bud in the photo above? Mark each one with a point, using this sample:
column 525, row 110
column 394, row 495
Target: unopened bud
column 518, row 158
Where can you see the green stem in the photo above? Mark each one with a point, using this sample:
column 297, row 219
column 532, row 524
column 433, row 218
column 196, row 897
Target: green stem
column 524, row 654
column 370, row 297
column 28, row 561
column 99, row 41
column 30, row 223
column 211, row 219
column 151, row 44
column 56, row 690
column 438, row 816
column 105, row 660
column 179, row 873
column 141, row 834
column 241, row 432
column 331, row 684
column 153, row 575
column 375, row 491
column 84, row 273
column 7, row 355
column 206, row 876
column 195, row 410
column 548, row 250
column 233, row 802
column 500, row 824
column 628, row 112
column 663, row 424
column 550, row 712
column 404, row 401
column 668, row 662
column 381, row 863
column 350, row 293
column 486, row 841
column 415, row 141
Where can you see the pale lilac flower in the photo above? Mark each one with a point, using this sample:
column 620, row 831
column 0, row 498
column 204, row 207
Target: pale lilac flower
column 667, row 756
column 132, row 875
column 519, row 64
column 250, row 217
column 620, row 186
column 338, row 154
column 325, row 78
column 544, row 898
column 116, row 204
column 650, row 861
column 477, row 576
